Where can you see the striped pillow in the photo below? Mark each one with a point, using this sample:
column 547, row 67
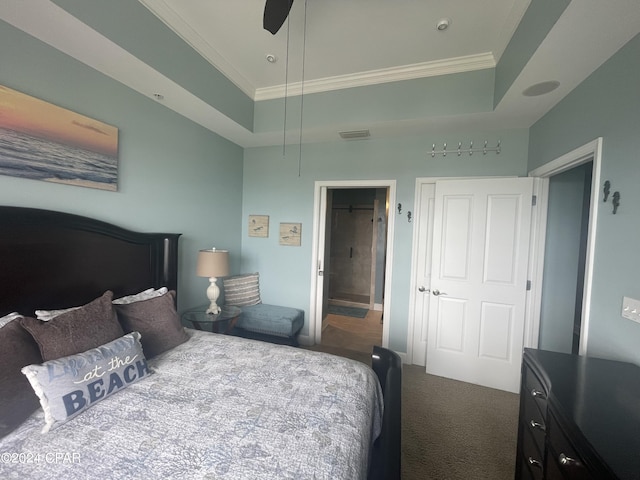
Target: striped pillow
column 242, row 290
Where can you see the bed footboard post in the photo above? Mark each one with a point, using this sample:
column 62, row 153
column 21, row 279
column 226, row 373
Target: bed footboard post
column 386, row 464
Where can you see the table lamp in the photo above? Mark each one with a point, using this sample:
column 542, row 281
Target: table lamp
column 213, row 263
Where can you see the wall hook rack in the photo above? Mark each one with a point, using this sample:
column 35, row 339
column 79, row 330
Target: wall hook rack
column 459, row 151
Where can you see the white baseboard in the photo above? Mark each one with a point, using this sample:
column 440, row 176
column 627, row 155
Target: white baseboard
column 378, row 307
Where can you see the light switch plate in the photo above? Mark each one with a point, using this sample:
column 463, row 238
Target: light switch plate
column 631, row 309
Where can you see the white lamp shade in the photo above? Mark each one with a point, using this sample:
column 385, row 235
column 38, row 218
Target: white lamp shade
column 213, row 263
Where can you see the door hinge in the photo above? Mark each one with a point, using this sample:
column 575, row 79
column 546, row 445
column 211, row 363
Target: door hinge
column 528, row 285
column 534, row 200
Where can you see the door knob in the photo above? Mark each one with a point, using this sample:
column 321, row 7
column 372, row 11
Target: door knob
column 437, row 292
column 422, row 289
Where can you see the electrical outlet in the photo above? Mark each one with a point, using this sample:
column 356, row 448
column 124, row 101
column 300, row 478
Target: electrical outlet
column 631, row 309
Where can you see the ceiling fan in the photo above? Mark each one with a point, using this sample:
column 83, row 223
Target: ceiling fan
column 275, row 13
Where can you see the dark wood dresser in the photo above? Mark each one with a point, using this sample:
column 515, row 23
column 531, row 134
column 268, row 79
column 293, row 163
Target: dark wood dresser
column 579, row 418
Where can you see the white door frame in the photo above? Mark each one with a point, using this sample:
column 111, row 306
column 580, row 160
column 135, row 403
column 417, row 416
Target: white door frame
column 583, row 154
column 317, row 257
column 589, row 151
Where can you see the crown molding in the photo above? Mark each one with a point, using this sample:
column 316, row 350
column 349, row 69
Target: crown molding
column 166, row 14
column 386, row 75
column 181, row 27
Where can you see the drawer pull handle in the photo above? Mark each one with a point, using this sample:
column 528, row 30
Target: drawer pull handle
column 534, row 463
column 537, row 425
column 538, row 394
column 568, row 461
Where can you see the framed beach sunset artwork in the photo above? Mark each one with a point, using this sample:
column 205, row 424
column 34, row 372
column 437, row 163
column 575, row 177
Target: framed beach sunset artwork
column 41, row 141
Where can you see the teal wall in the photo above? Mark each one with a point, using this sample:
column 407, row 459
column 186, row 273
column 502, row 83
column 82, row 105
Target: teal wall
column 607, row 104
column 455, row 94
column 272, row 187
column 174, row 176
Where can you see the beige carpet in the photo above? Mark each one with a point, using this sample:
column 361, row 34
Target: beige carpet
column 452, row 430
column 455, row 430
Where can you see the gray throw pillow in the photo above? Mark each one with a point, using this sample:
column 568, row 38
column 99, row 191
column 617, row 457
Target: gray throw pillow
column 17, row 400
column 76, row 331
column 157, row 321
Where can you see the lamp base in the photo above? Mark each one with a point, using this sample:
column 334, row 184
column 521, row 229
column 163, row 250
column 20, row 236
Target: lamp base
column 213, row 292
column 214, row 309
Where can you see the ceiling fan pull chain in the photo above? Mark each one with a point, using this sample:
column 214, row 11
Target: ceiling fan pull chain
column 286, row 93
column 304, row 52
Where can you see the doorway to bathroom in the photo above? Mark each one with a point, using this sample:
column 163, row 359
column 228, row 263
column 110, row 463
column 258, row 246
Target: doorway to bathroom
column 356, row 224
column 356, row 247
column 352, row 260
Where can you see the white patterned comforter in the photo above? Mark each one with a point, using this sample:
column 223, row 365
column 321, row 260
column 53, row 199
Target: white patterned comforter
column 216, row 408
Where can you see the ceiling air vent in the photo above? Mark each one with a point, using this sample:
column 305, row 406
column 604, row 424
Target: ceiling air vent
column 355, row 134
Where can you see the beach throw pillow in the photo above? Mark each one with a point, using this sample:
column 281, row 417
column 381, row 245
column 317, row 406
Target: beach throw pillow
column 68, row 386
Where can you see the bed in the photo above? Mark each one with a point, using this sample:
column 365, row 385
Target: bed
column 167, row 402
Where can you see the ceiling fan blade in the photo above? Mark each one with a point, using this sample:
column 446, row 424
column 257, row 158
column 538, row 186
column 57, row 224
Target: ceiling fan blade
column 275, row 13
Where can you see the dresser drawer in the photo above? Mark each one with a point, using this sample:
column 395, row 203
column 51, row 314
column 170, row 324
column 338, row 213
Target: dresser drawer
column 590, row 409
column 526, row 473
column 533, row 420
column 534, row 388
column 532, row 458
column 563, row 461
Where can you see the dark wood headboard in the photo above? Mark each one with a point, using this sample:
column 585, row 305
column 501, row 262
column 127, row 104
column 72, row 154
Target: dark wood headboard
column 53, row 260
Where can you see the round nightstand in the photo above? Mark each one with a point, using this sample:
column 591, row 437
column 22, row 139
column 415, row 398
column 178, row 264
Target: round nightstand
column 222, row 322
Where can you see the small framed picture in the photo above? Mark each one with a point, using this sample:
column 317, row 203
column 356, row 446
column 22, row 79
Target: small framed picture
column 290, row 234
column 259, row 226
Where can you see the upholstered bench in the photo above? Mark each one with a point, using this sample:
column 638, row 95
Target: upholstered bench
column 261, row 321
column 270, row 323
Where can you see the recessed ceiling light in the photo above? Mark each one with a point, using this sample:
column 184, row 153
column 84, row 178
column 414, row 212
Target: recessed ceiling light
column 443, row 24
column 541, row 88
column 271, row 58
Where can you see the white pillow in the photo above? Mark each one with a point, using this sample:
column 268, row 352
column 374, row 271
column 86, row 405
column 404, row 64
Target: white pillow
column 139, row 297
column 48, row 315
column 9, row 317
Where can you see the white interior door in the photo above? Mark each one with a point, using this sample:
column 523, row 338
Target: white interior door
column 479, row 280
column 422, row 297
column 321, row 290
